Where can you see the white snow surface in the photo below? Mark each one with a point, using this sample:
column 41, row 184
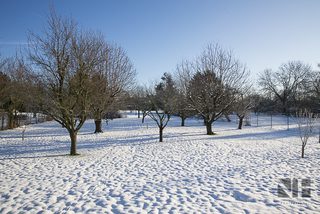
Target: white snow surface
column 126, row 170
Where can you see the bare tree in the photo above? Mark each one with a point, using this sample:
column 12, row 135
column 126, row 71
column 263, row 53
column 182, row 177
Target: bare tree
column 285, row 83
column 162, row 104
column 315, row 89
column 65, row 59
column 306, row 121
column 243, row 104
column 115, row 78
column 140, row 101
column 217, row 76
column 242, row 107
column 183, row 77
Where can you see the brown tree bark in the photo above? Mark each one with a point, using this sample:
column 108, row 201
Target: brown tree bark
column 73, row 136
column 12, row 119
column 98, row 124
column 3, row 117
column 240, row 122
column 183, row 117
column 160, row 134
column 209, row 128
column 302, row 151
column 182, row 121
column 143, row 116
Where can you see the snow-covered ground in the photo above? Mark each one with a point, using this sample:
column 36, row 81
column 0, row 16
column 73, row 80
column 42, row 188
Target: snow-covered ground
column 126, row 170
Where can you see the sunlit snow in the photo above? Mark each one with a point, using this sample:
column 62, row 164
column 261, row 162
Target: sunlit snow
column 126, row 170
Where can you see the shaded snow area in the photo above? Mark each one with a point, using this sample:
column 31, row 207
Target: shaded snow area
column 126, row 170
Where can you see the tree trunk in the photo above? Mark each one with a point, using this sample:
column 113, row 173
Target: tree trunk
column 3, row 117
column 143, row 116
column 284, row 110
column 73, row 136
column 15, row 119
column 138, row 113
column 209, row 128
column 302, row 151
column 11, row 120
column 160, row 134
column 182, row 121
column 98, row 124
column 240, row 122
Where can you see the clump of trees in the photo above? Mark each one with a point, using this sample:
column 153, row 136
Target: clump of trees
column 207, row 86
column 212, row 82
column 72, row 73
column 286, row 85
column 113, row 79
column 15, row 80
column 292, row 89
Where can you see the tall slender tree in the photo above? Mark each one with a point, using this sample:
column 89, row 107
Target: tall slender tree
column 161, row 103
column 306, row 121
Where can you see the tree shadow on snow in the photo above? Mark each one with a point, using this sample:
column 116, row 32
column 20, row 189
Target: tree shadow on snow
column 129, row 141
column 36, row 156
column 272, row 134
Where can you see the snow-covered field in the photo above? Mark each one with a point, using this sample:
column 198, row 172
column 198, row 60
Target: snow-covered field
column 126, row 170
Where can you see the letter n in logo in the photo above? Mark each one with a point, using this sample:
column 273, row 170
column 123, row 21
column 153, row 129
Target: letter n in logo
column 292, row 187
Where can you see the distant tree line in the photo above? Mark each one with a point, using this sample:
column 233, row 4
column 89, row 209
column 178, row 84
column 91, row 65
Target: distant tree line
column 216, row 84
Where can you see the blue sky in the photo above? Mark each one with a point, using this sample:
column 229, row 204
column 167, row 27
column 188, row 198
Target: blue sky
column 157, row 34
